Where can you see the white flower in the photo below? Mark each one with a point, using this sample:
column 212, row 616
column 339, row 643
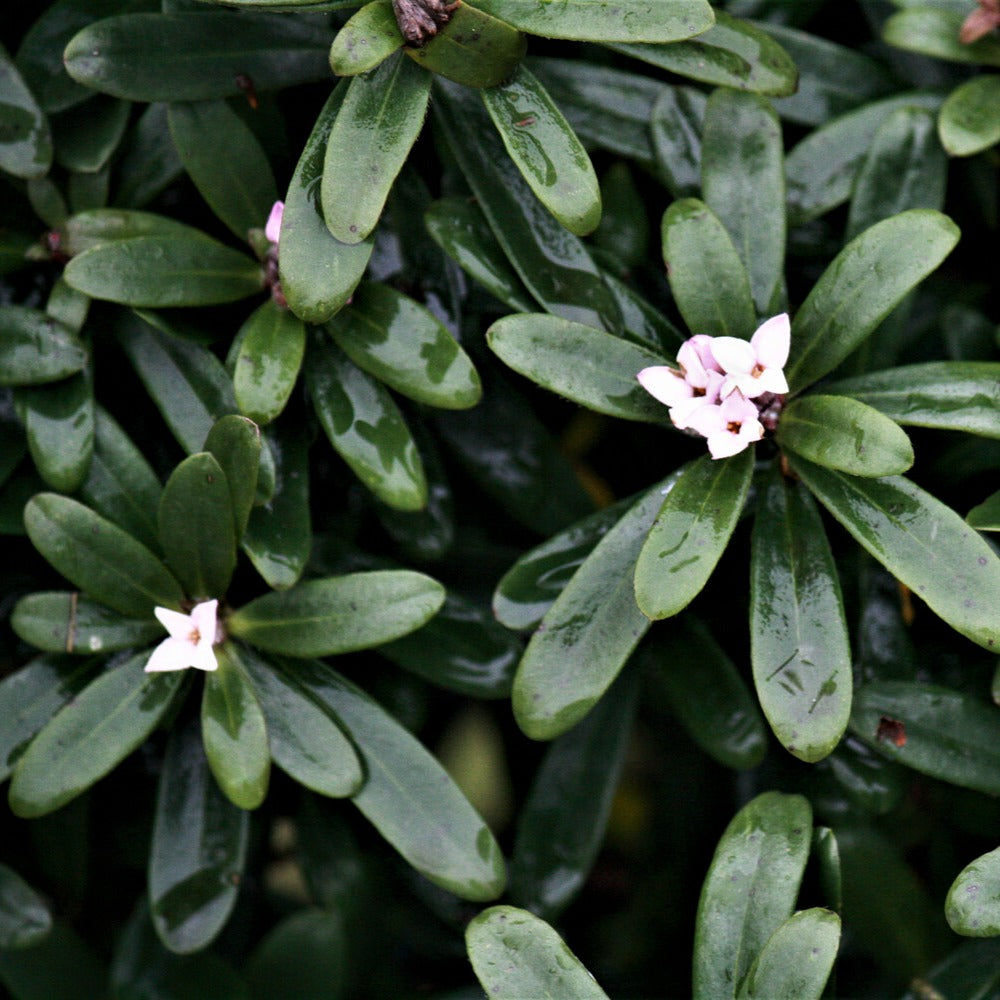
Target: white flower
column 190, row 641
column 697, row 383
column 755, row 367
column 730, row 427
column 273, row 228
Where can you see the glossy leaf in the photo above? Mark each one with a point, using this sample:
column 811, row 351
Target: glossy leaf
column 642, row 322
column 971, row 906
column 35, row 348
column 90, row 735
column 969, row 970
column 546, row 150
column 234, row 442
column 62, row 967
column 865, row 281
column 625, row 228
column 562, row 824
column 920, row 541
column 675, row 127
column 86, row 136
column 239, row 186
column 948, row 395
column 369, row 36
column 401, row 343
column 135, row 55
column 25, row 138
column 970, row 121
column 944, row 733
column 841, row 433
column 799, row 645
column 690, row 532
column 198, row 849
column 84, row 230
column 710, row 284
column 588, row 633
column 731, row 53
column 408, row 796
column 25, row 918
column 515, row 954
column 65, row 622
column 625, row 21
column 933, row 32
column 98, row 557
column 339, row 614
column 234, row 732
column 986, row 515
column 318, row 272
column 149, row 161
column 750, row 890
column 583, row 364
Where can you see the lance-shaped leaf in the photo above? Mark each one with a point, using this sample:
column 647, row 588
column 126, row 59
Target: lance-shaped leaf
column 136, row 55
column 401, row 343
column 546, row 150
column 25, row 138
column 948, row 395
column 239, row 186
column 339, row 614
column 100, row 558
column 750, row 890
column 935, row 730
column 625, row 21
column 234, row 442
column 306, row 740
column 586, row 365
column 408, row 796
column 36, row 348
column 690, row 533
column 971, row 906
column 149, row 161
column 198, row 851
column 841, row 433
column 90, row 735
column 84, row 230
column 65, row 622
column 986, row 515
column 588, row 633
column 933, row 32
column 797, row 959
column 732, row 53
column 234, row 732
column 799, row 644
column 707, row 276
column 970, row 117
column 365, row 427
column 743, row 183
column 25, row 919
column 920, row 541
column 369, row 36
column 515, row 955
column 675, row 127
column 562, row 825
column 87, row 136
column 862, row 285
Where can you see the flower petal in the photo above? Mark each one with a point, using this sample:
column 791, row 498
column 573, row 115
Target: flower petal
column 179, row 626
column 203, row 657
column 726, row 443
column 734, row 356
column 707, row 420
column 664, row 384
column 273, row 228
column 771, row 380
column 171, row 654
column 772, row 340
column 203, row 617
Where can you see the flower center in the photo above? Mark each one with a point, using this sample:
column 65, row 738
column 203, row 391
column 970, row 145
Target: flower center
column 734, row 426
column 194, row 636
column 757, row 370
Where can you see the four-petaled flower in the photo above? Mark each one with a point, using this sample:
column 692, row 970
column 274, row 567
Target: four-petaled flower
column 730, row 427
column 273, row 228
column 755, row 367
column 190, row 641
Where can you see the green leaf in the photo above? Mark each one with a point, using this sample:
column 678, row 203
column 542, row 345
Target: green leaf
column 234, row 732
column 98, row 557
column 797, row 959
column 970, row 970
column 642, row 323
column 920, row 541
column 408, row 796
column 971, row 906
column 743, row 183
column 196, row 525
column 589, row 632
column 25, row 138
column 862, row 285
column 239, row 186
column 149, row 160
column 158, row 271
column 842, row 433
column 25, row 919
column 136, row 55
column 374, row 130
column 234, row 442
column 369, row 36
column 799, row 645
column 318, row 272
column 986, row 516
column 944, row 733
column 90, row 735
column 65, row 622
column 948, row 395
column 933, row 32
column 339, row 614
column 86, row 136
column 85, row 230
column 306, row 740
column 590, row 21
column 675, row 126
column 732, row 53
column 690, row 533
column 586, row 365
column 710, row 284
column 970, row 117
column 750, row 890
column 546, row 150
column 198, row 851
column 62, row 967
column 402, row 344
column 624, row 230
column 562, row 825
column 36, row 348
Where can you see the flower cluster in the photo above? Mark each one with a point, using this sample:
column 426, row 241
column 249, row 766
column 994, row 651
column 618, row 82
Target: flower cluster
column 190, row 641
column 728, row 390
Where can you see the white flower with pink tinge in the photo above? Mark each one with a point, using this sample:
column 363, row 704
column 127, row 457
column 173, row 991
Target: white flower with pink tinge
column 755, row 367
column 730, row 427
column 697, row 383
column 273, row 228
column 190, row 641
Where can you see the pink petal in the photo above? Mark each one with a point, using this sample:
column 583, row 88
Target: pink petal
column 702, row 344
column 664, row 384
column 171, row 654
column 273, row 227
column 771, row 380
column 707, row 420
column 203, row 619
column 772, row 340
column 725, row 443
column 736, row 409
column 203, row 657
column 682, row 412
column 735, row 356
column 179, row 626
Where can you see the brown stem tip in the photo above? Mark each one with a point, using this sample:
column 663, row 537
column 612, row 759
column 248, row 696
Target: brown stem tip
column 419, row 20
